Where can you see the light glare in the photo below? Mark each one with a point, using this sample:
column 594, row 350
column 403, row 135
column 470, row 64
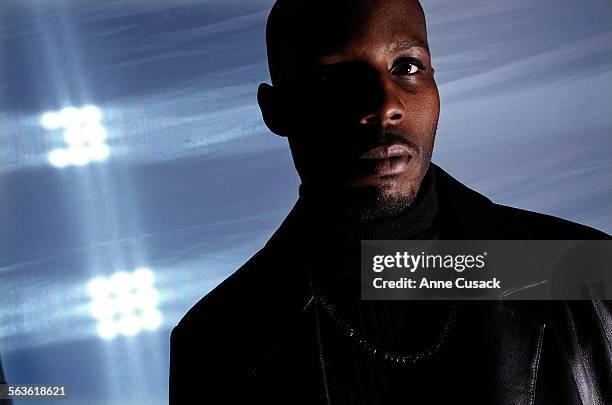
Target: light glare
column 94, row 134
column 144, row 277
column 59, row 158
column 107, row 330
column 91, row 114
column 70, row 117
column 99, row 287
column 147, row 298
column 103, row 309
column 128, row 325
column 75, row 136
column 125, row 303
column 122, row 282
column 151, row 319
column 79, row 155
column 50, row 121
column 83, row 134
column 99, row 152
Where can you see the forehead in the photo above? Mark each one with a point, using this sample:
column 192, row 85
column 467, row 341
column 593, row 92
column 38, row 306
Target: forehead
column 339, row 26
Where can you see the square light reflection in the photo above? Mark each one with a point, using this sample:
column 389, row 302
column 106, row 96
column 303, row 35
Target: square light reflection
column 125, row 303
column 83, row 134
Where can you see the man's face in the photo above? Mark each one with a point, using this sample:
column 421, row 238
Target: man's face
column 362, row 104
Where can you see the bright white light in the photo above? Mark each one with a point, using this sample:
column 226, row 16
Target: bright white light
column 71, row 117
column 50, row 121
column 122, row 282
column 125, row 303
column 107, row 330
column 59, row 158
column 129, row 325
column 95, row 133
column 79, row 155
column 83, row 134
column 99, row 287
column 144, row 277
column 75, row 136
column 99, row 152
column 151, row 319
column 146, row 298
column 90, row 134
column 103, row 309
column 91, row 114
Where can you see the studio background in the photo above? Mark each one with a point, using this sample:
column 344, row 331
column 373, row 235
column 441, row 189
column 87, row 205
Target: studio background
column 187, row 183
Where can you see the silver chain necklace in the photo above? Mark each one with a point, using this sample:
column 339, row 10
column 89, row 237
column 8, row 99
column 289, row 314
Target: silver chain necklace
column 378, row 353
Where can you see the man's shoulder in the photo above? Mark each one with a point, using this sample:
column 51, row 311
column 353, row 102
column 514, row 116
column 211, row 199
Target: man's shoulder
column 481, row 218
column 223, row 336
column 265, row 288
column 524, row 224
column 221, row 304
column 265, row 284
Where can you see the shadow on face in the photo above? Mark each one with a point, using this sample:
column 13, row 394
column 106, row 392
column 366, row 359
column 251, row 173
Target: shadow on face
column 354, row 93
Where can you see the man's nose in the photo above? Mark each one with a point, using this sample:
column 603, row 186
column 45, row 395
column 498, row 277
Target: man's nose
column 384, row 107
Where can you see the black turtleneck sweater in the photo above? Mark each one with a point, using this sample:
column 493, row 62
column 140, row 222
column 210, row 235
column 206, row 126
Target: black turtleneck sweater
column 352, row 375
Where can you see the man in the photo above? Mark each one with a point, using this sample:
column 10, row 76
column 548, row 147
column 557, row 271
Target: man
column 353, row 91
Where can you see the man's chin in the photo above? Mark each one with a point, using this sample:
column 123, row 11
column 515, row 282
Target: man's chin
column 376, row 202
column 363, row 202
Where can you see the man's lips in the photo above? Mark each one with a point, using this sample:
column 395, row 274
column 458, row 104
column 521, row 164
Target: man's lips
column 388, row 151
column 387, row 160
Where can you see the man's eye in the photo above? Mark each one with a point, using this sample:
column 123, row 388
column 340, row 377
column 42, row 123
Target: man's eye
column 406, row 68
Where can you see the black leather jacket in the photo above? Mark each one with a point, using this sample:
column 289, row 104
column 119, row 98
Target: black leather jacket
column 251, row 339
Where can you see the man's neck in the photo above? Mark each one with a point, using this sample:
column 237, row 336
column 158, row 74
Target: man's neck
column 325, row 218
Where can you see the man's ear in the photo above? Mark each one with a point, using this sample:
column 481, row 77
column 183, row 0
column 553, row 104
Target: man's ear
column 273, row 108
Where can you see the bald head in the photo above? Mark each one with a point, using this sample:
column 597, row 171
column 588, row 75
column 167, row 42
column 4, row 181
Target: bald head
column 298, row 30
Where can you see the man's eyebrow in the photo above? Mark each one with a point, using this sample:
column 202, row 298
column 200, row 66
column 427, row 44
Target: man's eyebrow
column 413, row 43
column 396, row 46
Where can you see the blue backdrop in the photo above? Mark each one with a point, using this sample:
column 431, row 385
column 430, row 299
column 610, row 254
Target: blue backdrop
column 183, row 179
